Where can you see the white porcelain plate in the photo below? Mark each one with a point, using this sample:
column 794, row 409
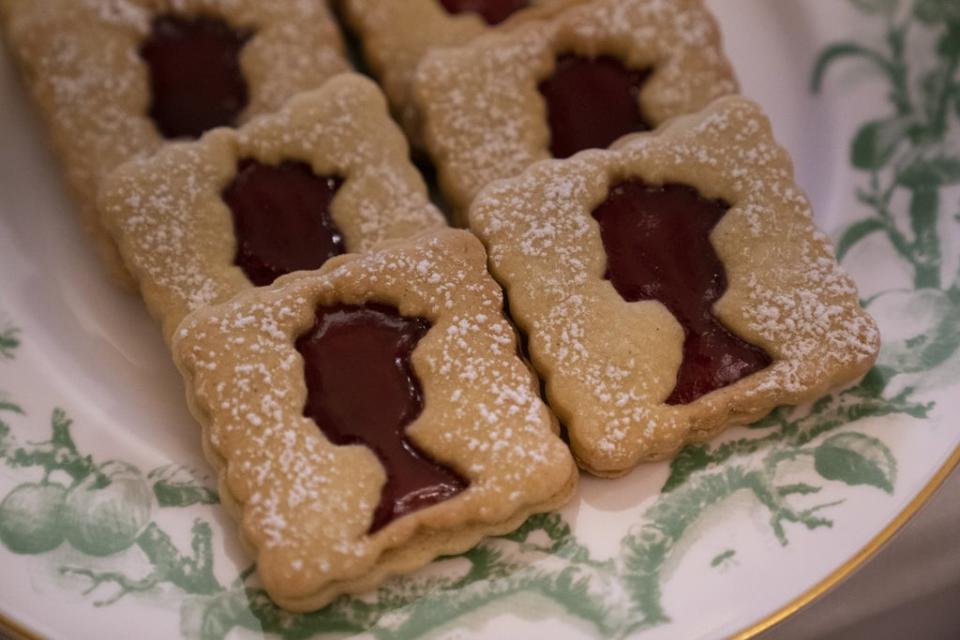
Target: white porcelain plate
column 716, row 543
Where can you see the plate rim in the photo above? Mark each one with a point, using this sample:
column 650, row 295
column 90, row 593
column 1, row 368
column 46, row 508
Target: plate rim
column 823, row 587
column 859, row 559
column 17, row 631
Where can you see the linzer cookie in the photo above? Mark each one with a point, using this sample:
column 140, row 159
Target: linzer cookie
column 396, row 35
column 115, row 78
column 198, row 222
column 371, row 416
column 673, row 286
column 576, row 80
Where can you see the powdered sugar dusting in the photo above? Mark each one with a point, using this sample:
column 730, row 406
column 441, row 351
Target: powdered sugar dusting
column 176, row 234
column 82, row 63
column 786, row 292
column 484, row 118
column 306, row 503
column 396, row 35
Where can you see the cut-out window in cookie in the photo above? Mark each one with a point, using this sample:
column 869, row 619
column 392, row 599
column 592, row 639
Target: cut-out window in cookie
column 362, row 389
column 282, row 220
column 371, row 416
column 591, row 103
column 396, row 35
column 579, row 78
column 199, row 222
column 672, row 286
column 196, row 82
column 657, row 242
column 116, row 80
column 493, row 12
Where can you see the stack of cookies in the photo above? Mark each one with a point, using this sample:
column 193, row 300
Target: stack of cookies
column 367, row 396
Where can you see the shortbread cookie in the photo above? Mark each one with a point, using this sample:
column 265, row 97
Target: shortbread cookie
column 211, row 62
column 673, row 286
column 200, row 221
column 579, row 79
column 371, row 416
column 396, row 35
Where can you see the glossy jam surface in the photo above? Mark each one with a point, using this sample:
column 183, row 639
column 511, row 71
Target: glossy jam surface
column 195, row 79
column 281, row 218
column 361, row 389
column 591, row 102
column 657, row 240
column 492, row 11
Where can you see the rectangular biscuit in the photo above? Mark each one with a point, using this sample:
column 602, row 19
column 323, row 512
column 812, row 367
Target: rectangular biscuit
column 82, row 62
column 308, row 508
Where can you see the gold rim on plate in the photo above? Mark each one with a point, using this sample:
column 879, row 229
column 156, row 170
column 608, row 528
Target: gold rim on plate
column 868, row 551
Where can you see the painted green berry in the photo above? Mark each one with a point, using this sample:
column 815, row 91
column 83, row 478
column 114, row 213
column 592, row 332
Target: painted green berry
column 102, row 518
column 30, row 518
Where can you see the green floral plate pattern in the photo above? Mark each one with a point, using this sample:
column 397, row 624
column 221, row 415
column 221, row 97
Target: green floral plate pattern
column 109, row 518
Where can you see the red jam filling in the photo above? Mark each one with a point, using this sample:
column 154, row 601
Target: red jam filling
column 591, row 102
column 195, row 78
column 492, row 11
column 657, row 240
column 361, row 389
column 281, row 218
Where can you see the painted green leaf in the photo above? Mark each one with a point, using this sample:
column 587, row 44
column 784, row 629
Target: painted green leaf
column 179, row 486
column 6, row 405
column 875, row 381
column 940, row 344
column 937, row 12
column 844, row 50
column 881, row 7
column 855, row 233
column 9, row 341
column 722, row 557
column 877, row 141
column 798, row 488
column 183, row 495
column 856, row 459
column 931, row 173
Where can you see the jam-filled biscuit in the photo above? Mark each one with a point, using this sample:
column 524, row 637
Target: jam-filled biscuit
column 396, row 35
column 673, row 286
column 200, row 221
column 115, row 78
column 579, row 79
column 371, row 416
